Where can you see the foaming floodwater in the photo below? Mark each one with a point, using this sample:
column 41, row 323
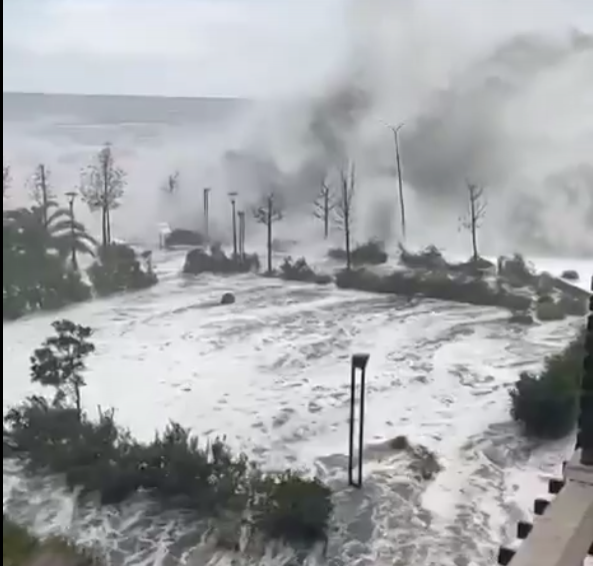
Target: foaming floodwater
column 271, row 372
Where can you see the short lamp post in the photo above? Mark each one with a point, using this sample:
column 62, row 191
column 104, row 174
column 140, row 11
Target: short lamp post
column 358, row 363
column 71, row 196
column 207, row 212
column 241, row 215
column 233, row 197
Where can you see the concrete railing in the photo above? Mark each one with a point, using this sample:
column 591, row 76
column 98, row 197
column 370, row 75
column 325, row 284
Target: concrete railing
column 563, row 533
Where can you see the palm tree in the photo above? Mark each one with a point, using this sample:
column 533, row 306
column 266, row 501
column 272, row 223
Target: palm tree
column 38, row 231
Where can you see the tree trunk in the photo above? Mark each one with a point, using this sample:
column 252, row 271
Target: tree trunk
column 326, row 215
column 104, row 227
column 108, row 222
column 44, row 196
column 474, row 225
column 77, row 397
column 347, row 236
column 269, row 226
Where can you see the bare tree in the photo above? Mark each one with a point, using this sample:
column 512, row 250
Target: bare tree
column 324, row 206
column 344, row 210
column 400, row 182
column 102, row 186
column 171, row 185
column 42, row 193
column 6, row 180
column 267, row 213
column 476, row 213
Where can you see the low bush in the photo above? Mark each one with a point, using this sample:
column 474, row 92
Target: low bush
column 21, row 548
column 300, row 271
column 371, row 253
column 200, row 261
column 570, row 275
column 60, row 287
column 183, row 237
column 101, row 458
column 516, row 271
column 118, row 270
column 435, row 285
column 428, row 258
column 546, row 404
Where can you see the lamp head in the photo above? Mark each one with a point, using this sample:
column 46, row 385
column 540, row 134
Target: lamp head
column 360, row 361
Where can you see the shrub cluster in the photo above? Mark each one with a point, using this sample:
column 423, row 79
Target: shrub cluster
column 36, row 255
column 546, row 404
column 99, row 457
column 118, row 270
column 21, row 548
column 200, row 261
column 435, row 285
column 300, row 271
column 371, row 253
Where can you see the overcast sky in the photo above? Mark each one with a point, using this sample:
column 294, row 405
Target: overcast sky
column 171, row 47
column 215, row 47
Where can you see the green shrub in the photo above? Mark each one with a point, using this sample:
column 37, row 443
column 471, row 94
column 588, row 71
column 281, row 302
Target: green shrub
column 435, row 285
column 21, row 548
column 371, row 253
column 200, row 261
column 118, row 270
column 429, row 258
column 546, row 404
column 300, row 271
column 293, row 509
column 101, row 458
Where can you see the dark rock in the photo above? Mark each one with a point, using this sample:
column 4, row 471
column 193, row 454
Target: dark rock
column 228, row 299
column 400, row 443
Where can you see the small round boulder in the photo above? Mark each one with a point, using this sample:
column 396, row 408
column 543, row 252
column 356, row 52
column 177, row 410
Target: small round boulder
column 227, row 299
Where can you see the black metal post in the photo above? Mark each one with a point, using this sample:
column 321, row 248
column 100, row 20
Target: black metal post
column 585, row 426
column 241, row 216
column 359, row 362
column 233, row 197
column 351, row 438
column 207, row 213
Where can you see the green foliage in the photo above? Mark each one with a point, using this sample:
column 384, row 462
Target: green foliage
column 118, row 270
column 546, row 404
column 429, row 258
column 37, row 273
column 101, row 458
column 61, row 361
column 371, row 253
column 18, row 545
column 21, row 548
column 435, row 285
column 300, row 271
column 293, row 509
column 200, row 261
